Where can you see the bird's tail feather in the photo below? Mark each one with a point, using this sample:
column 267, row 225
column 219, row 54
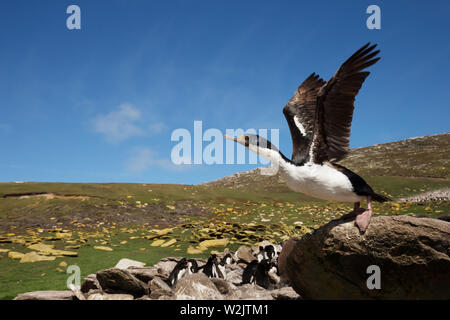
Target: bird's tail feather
column 380, row 198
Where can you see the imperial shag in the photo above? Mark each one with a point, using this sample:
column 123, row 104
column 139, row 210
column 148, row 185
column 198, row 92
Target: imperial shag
column 319, row 116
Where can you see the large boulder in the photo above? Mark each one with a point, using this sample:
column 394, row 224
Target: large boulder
column 412, row 255
column 282, row 258
column 116, row 280
column 196, row 286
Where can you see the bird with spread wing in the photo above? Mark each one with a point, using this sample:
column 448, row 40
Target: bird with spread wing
column 319, row 116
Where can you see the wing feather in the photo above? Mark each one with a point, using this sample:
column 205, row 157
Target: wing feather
column 300, row 114
column 335, row 105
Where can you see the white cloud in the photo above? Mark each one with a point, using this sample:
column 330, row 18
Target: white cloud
column 156, row 127
column 143, row 158
column 120, row 124
column 124, row 122
column 140, row 160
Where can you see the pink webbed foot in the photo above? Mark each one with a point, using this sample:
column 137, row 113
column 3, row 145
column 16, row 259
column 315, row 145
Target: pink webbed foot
column 352, row 214
column 362, row 220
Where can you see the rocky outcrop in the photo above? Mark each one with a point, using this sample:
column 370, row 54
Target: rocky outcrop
column 196, row 286
column 90, row 283
column 412, row 255
column 129, row 280
column 46, row 295
column 116, row 280
column 398, row 257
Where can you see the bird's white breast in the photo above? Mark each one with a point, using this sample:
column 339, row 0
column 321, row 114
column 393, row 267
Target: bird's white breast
column 319, row 181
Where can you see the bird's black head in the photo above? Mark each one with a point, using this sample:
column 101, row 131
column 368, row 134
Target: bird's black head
column 256, row 144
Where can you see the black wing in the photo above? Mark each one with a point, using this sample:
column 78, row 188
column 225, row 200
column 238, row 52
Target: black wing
column 334, row 111
column 300, row 114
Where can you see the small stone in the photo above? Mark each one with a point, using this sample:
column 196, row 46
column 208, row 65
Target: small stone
column 214, row 243
column 127, row 263
column 76, row 292
column 103, row 248
column 46, row 295
column 90, row 283
column 285, row 293
column 244, row 253
column 157, row 243
column 15, row 255
column 159, row 288
column 35, row 257
column 169, row 243
column 110, row 296
column 192, row 250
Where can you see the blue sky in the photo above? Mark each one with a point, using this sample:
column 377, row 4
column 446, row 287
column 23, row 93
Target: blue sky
column 99, row 104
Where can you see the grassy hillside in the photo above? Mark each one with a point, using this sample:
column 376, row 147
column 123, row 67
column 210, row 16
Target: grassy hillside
column 424, row 157
column 427, row 156
column 149, row 221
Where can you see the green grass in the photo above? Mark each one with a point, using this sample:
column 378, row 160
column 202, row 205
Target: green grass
column 115, row 208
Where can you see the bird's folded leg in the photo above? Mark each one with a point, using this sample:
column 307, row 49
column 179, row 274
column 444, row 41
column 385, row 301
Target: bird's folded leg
column 352, row 214
column 363, row 219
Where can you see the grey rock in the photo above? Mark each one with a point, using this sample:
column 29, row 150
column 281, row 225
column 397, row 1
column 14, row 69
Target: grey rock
column 166, row 265
column 121, row 281
column 196, row 286
column 127, row 263
column 245, row 253
column 285, row 293
column 224, row 287
column 110, row 296
column 144, row 298
column 90, row 283
column 77, row 292
column 282, row 258
column 251, row 292
column 234, row 273
column 46, row 295
column 158, row 288
column 145, row 274
column 412, row 254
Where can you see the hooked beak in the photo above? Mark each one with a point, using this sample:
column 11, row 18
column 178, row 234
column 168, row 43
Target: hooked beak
column 230, row 138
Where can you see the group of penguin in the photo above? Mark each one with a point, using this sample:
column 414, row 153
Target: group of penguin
column 263, row 270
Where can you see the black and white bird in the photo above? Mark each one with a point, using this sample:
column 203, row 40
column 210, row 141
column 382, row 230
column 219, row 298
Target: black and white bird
column 178, row 272
column 257, row 272
column 319, row 116
column 211, row 268
column 192, row 266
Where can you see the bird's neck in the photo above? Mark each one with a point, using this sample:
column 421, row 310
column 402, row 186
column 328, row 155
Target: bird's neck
column 276, row 157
